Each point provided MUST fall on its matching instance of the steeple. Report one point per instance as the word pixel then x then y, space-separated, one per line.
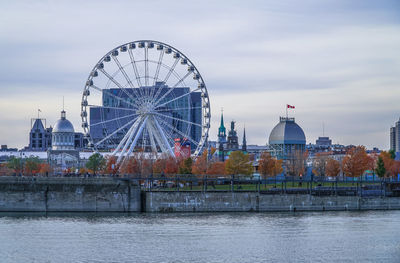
pixel 222 130
pixel 244 144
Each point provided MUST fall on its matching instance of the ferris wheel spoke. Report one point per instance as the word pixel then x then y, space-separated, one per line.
pixel 177 98
pixel 176 109
pixel 115 132
pixel 178 131
pixel 171 70
pixel 135 70
pixel 163 137
pixel 151 136
pixel 146 65
pixel 138 133
pixel 126 141
pixel 172 140
pixel 160 59
pixel 126 76
pixel 170 117
pixel 114 96
pixel 117 84
pixel 172 88
pixel 107 121
pixel 109 107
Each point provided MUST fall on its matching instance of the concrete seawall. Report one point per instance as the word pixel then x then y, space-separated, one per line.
pixel 68 195
pixel 19 194
pixel 255 202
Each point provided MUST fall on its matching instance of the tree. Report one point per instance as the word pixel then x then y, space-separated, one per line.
pixel 355 163
pixel 45 169
pixel 130 166
pixel 320 162
pixel 32 165
pixel 111 165
pixel 332 168
pixel 200 165
pixel 296 162
pixel 216 168
pixel 238 163
pixel 389 163
pixel 278 168
pixel 380 167
pixel 96 163
pixel 15 164
pixel 392 154
pixel 266 165
pixel 171 165
pixel 159 165
pixel 185 166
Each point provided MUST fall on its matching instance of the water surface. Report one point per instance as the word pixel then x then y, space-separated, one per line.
pixel 372 236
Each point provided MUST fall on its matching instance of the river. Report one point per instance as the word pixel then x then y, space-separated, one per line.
pixel 372 236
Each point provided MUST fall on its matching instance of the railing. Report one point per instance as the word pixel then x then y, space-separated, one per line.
pixel 287 185
pixel 272 185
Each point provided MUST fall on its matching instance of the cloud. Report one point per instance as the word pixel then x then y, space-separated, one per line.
pixel 338 61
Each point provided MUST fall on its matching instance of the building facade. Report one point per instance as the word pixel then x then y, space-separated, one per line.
pixel 39 136
pixel 395 137
pixel 63 156
pixel 286 138
pixel 112 115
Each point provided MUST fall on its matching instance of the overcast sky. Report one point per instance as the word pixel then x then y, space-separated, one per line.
pixel 337 61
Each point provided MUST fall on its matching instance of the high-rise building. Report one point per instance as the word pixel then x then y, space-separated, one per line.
pixel 106 119
pixel 395 137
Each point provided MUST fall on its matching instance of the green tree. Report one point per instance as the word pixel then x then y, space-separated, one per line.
pixel 15 164
pixel 392 154
pixel 380 167
pixel 239 163
pixel 96 163
pixel 186 166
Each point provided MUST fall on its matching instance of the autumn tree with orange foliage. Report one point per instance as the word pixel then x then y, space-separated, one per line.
pixel 45 169
pixel 130 166
pixel 332 168
pixel 111 165
pixel 266 165
pixel 356 162
pixel 200 166
pixel 392 166
pixel 171 166
pixel 216 168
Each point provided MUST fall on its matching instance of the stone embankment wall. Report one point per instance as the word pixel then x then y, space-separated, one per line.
pixel 68 195
pixel 252 201
pixel 117 195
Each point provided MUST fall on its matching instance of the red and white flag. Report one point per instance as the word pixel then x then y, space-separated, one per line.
pixel 290 106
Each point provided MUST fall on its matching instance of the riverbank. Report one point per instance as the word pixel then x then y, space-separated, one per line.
pixel 41 194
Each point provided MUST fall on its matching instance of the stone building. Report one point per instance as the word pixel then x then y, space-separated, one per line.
pixel 63 154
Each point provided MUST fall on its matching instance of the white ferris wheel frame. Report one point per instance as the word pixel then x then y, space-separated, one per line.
pixel 145 104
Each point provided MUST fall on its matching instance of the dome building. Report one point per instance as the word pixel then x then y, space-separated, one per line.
pixel 286 137
pixel 63 156
pixel 63 134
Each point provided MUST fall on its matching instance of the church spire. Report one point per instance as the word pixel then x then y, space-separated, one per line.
pixel 221 129
pixel 244 144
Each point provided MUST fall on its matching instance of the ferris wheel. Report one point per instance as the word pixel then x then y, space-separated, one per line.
pixel 145 96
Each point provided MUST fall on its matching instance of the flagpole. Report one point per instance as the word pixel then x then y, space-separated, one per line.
pixel 286 111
